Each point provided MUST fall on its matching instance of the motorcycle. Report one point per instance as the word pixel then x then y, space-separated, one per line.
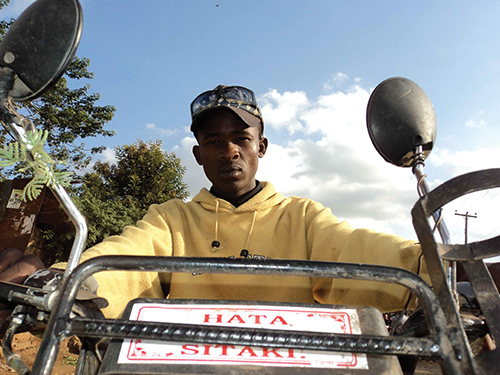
pixel 227 337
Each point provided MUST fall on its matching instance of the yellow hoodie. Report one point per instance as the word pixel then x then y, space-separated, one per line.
pixel 269 225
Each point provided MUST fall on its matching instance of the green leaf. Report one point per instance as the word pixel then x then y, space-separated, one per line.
pixel 39 164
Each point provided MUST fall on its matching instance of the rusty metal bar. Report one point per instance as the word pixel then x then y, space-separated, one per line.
pixel 206 334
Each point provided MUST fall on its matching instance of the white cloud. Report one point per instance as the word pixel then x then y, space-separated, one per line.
pixel 471 123
pixel 338 111
pixel 161 131
pixel 336 80
pixel 476 121
pixel 108 155
pixel 340 77
pixel 281 111
pixel 461 162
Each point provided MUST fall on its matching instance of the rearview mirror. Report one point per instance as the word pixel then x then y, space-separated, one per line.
pixel 400 117
pixel 40 45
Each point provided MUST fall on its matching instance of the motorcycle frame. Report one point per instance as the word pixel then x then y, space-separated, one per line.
pixel 440 344
pixel 447 340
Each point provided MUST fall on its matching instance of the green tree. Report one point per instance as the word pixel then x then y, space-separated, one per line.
pixel 115 195
pixel 4 24
pixel 69 114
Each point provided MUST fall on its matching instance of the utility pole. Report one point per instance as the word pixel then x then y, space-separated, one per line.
pixel 466 217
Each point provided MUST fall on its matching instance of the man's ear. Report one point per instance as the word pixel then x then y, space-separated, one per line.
pixel 196 153
pixel 263 143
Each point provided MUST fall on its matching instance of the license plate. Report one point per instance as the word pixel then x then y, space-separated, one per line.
pixel 247 316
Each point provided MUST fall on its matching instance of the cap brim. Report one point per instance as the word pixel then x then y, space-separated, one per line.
pixel 247 118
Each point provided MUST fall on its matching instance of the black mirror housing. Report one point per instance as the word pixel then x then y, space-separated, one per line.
pixel 400 117
pixel 40 45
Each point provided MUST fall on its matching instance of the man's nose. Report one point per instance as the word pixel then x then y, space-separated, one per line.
pixel 230 151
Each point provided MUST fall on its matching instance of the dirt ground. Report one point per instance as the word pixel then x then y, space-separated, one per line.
pixel 26 345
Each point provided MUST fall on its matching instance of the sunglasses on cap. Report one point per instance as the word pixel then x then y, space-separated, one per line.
pixel 226 96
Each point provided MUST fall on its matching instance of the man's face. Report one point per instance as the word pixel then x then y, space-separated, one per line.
pixel 229 151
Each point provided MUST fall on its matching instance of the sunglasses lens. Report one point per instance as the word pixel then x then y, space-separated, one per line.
pixel 202 101
pixel 239 93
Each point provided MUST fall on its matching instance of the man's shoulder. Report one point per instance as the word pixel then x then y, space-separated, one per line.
pixel 270 190
pixel 171 206
pixel 296 202
pixel 306 203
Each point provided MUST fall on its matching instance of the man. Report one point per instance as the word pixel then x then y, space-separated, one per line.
pixel 241 216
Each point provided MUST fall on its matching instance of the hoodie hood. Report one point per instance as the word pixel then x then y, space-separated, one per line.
pixel 266 198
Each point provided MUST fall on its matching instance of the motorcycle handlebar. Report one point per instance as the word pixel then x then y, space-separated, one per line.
pixel 16 294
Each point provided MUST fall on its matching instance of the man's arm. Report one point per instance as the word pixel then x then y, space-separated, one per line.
pixel 332 240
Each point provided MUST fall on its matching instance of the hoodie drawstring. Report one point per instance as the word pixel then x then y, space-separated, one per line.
pixel 250 232
pixel 216 245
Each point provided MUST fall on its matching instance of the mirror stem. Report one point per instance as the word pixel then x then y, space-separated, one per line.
pixel 423 189
pixel 17 127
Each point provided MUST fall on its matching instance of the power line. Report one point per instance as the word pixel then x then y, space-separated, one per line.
pixel 487 235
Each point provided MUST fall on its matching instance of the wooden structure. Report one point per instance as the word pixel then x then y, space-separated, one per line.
pixel 20 221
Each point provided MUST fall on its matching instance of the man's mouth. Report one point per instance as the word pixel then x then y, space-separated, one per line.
pixel 230 170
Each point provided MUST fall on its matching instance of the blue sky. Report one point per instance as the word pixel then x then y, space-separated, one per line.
pixel 312 65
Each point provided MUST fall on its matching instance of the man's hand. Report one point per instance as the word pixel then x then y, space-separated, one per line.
pixel 15 267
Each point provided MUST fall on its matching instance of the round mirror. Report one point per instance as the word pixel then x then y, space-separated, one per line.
pixel 400 117
pixel 40 45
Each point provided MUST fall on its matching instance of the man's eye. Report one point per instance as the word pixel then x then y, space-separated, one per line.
pixel 243 139
pixel 212 141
